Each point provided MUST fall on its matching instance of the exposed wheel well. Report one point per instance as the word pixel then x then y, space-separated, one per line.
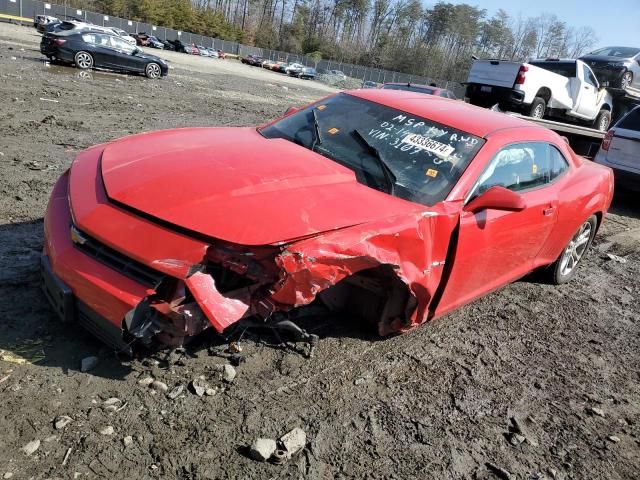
pixel 545 94
pixel 606 106
pixel 376 296
pixel 599 217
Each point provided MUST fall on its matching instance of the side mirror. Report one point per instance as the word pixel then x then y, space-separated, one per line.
pixel 496 198
pixel 291 110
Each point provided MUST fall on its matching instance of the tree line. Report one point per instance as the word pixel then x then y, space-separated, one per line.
pixel 436 41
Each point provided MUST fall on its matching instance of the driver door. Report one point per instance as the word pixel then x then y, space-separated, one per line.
pixel 588 97
pixel 122 56
pixel 496 247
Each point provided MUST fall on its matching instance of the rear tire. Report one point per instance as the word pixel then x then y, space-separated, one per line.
pixel 602 121
pixel 538 108
pixel 565 267
pixel 83 60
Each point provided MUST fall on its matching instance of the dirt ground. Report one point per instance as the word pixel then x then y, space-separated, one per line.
pixel 441 402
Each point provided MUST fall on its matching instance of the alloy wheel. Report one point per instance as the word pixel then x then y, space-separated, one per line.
pixel 538 112
pixel 626 80
pixel 84 60
pixel 153 70
pixel 576 248
pixel 604 123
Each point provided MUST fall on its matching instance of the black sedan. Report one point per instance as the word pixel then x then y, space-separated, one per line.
pixel 620 66
pixel 95 49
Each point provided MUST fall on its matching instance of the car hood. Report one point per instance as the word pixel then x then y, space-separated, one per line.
pixel 603 58
pixel 235 185
pixel 147 56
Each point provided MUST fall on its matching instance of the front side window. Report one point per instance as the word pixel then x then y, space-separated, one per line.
pixel 390 150
pixel 120 44
pixel 103 40
pixel 588 76
pixel 523 166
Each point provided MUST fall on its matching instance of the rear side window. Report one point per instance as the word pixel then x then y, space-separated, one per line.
pixel 89 38
pixel 588 76
pixel 557 163
pixel 566 69
pixel 631 121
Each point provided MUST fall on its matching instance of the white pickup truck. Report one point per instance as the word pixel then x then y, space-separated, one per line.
pixel 566 89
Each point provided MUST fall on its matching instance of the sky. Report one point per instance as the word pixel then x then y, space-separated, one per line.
pixel 616 22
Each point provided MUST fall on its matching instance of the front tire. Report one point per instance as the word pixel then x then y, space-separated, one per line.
pixel 538 108
pixel 564 268
pixel 83 60
pixel 153 70
pixel 602 121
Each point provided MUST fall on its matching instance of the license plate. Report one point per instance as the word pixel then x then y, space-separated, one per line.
pixel 484 88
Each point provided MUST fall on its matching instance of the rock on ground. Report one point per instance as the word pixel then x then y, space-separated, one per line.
pixel 88 363
pixel 294 441
pixel 262 449
pixel 31 447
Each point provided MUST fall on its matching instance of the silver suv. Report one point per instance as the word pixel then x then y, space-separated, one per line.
pixel 620 150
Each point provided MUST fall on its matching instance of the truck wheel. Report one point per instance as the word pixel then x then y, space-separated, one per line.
pixel 602 121
pixel 538 107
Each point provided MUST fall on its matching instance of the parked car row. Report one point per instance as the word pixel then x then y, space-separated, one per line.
pixel 48 24
pixel 290 68
pixel 88 47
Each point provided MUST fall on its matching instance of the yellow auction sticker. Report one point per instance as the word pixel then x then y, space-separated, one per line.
pixel 432 173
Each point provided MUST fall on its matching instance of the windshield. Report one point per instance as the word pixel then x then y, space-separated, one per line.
pixel 620 52
pixel 390 150
pixel 408 87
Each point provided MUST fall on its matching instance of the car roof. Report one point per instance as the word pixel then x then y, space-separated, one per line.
pixel 460 115
pixel 417 85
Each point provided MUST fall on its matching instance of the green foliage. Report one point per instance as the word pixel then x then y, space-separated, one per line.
pixel 401 35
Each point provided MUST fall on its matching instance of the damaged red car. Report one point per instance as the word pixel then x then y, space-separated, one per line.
pixel 391 206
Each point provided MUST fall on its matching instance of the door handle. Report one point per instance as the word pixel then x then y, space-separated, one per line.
pixel 547 212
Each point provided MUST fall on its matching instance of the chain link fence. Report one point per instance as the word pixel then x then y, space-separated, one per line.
pixel 356 74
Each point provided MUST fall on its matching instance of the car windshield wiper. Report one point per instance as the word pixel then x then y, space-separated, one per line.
pixel 317 137
pixel 389 176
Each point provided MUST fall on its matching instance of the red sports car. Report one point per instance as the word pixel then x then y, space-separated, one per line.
pixel 388 205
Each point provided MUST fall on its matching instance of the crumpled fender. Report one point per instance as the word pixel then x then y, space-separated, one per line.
pixel 415 246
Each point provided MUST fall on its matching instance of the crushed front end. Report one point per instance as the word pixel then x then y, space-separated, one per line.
pixel 126 276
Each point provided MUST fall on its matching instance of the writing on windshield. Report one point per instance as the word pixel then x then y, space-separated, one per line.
pixel 390 150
